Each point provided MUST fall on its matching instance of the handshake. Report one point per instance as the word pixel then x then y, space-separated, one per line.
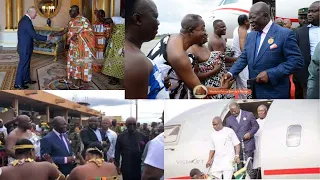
pixel 51 36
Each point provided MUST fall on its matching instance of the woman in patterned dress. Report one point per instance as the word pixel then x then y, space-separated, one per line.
pixel 210 67
pixel 114 60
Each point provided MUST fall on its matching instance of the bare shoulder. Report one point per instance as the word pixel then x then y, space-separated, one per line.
pixel 76 172
pixel 134 59
pixel 175 51
pixel 13 134
pixel 112 168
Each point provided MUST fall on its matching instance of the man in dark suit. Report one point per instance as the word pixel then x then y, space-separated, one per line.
pixel 307 47
pixel 93 134
pixel 271 53
pixel 26 34
pixel 245 126
pixel 130 146
pixel 57 145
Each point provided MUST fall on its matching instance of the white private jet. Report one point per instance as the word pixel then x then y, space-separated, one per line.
pixel 229 11
pixel 290 140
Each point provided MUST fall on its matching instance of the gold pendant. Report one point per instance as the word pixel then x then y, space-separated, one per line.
pixel 270 41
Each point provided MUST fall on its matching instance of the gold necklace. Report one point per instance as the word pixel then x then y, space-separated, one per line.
pixel 21 161
pixel 97 161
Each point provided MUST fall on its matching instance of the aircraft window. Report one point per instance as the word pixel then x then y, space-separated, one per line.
pixel 171 133
pixel 230 2
pixel 294 135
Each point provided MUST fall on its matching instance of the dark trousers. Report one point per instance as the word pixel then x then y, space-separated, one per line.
pixel 300 90
pixel 126 176
pixel 23 72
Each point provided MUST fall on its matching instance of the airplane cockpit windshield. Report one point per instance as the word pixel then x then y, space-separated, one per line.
pixel 171 133
pixel 225 2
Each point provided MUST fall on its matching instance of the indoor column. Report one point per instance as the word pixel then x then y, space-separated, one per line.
pixel 19 12
pixel 9 16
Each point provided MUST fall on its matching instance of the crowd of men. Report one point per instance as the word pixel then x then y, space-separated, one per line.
pixel 265 56
pixel 100 149
pixel 235 142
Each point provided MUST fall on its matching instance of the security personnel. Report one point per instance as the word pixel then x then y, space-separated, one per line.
pixel 302 17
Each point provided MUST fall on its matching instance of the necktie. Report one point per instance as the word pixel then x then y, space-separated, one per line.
pixel 61 137
pixel 258 42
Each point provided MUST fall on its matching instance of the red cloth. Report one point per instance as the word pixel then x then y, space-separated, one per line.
pixel 292 89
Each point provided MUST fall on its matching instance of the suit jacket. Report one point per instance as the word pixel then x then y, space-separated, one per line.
pixel 26 34
pixel 313 80
pixel 51 144
pixel 279 62
pixel 302 35
pixel 248 124
pixel 88 137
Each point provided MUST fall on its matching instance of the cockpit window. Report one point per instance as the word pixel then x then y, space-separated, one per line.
pixel 229 2
pixel 171 133
pixel 221 2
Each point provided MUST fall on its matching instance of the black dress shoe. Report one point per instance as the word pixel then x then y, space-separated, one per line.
pixel 21 87
pixel 30 82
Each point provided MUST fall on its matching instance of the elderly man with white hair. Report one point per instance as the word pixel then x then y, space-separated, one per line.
pixel 262 113
pixel 26 34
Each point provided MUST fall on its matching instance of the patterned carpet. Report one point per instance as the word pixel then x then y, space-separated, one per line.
pixel 44 71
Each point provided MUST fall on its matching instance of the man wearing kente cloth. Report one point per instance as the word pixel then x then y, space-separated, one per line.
pixel 25 167
pixel 81 42
pixel 95 167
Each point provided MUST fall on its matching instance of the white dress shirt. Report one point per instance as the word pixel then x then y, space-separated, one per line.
pixel 257 139
pixel 28 16
pixel 65 143
pixel 263 36
pixel 314 37
pixel 239 117
pixel 155 154
pixel 264 33
pixel 4 130
pixel 112 136
pixel 98 134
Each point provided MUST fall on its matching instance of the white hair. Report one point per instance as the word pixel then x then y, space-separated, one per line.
pixel 31 9
pixel 264 107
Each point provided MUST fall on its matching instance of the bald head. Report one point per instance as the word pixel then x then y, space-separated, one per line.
pixel 138 7
pixel 74 11
pixel 24 122
pixel 262 111
pixel 106 123
pixel 32 12
pixel 131 124
pixel 234 109
pixel 279 21
pixel 190 22
pixel 261 7
pixel 259 16
pixel 131 120
pixel 217 123
pixel 59 124
pixel 93 122
pixel 313 13
pixel 287 23
pixel 141 21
